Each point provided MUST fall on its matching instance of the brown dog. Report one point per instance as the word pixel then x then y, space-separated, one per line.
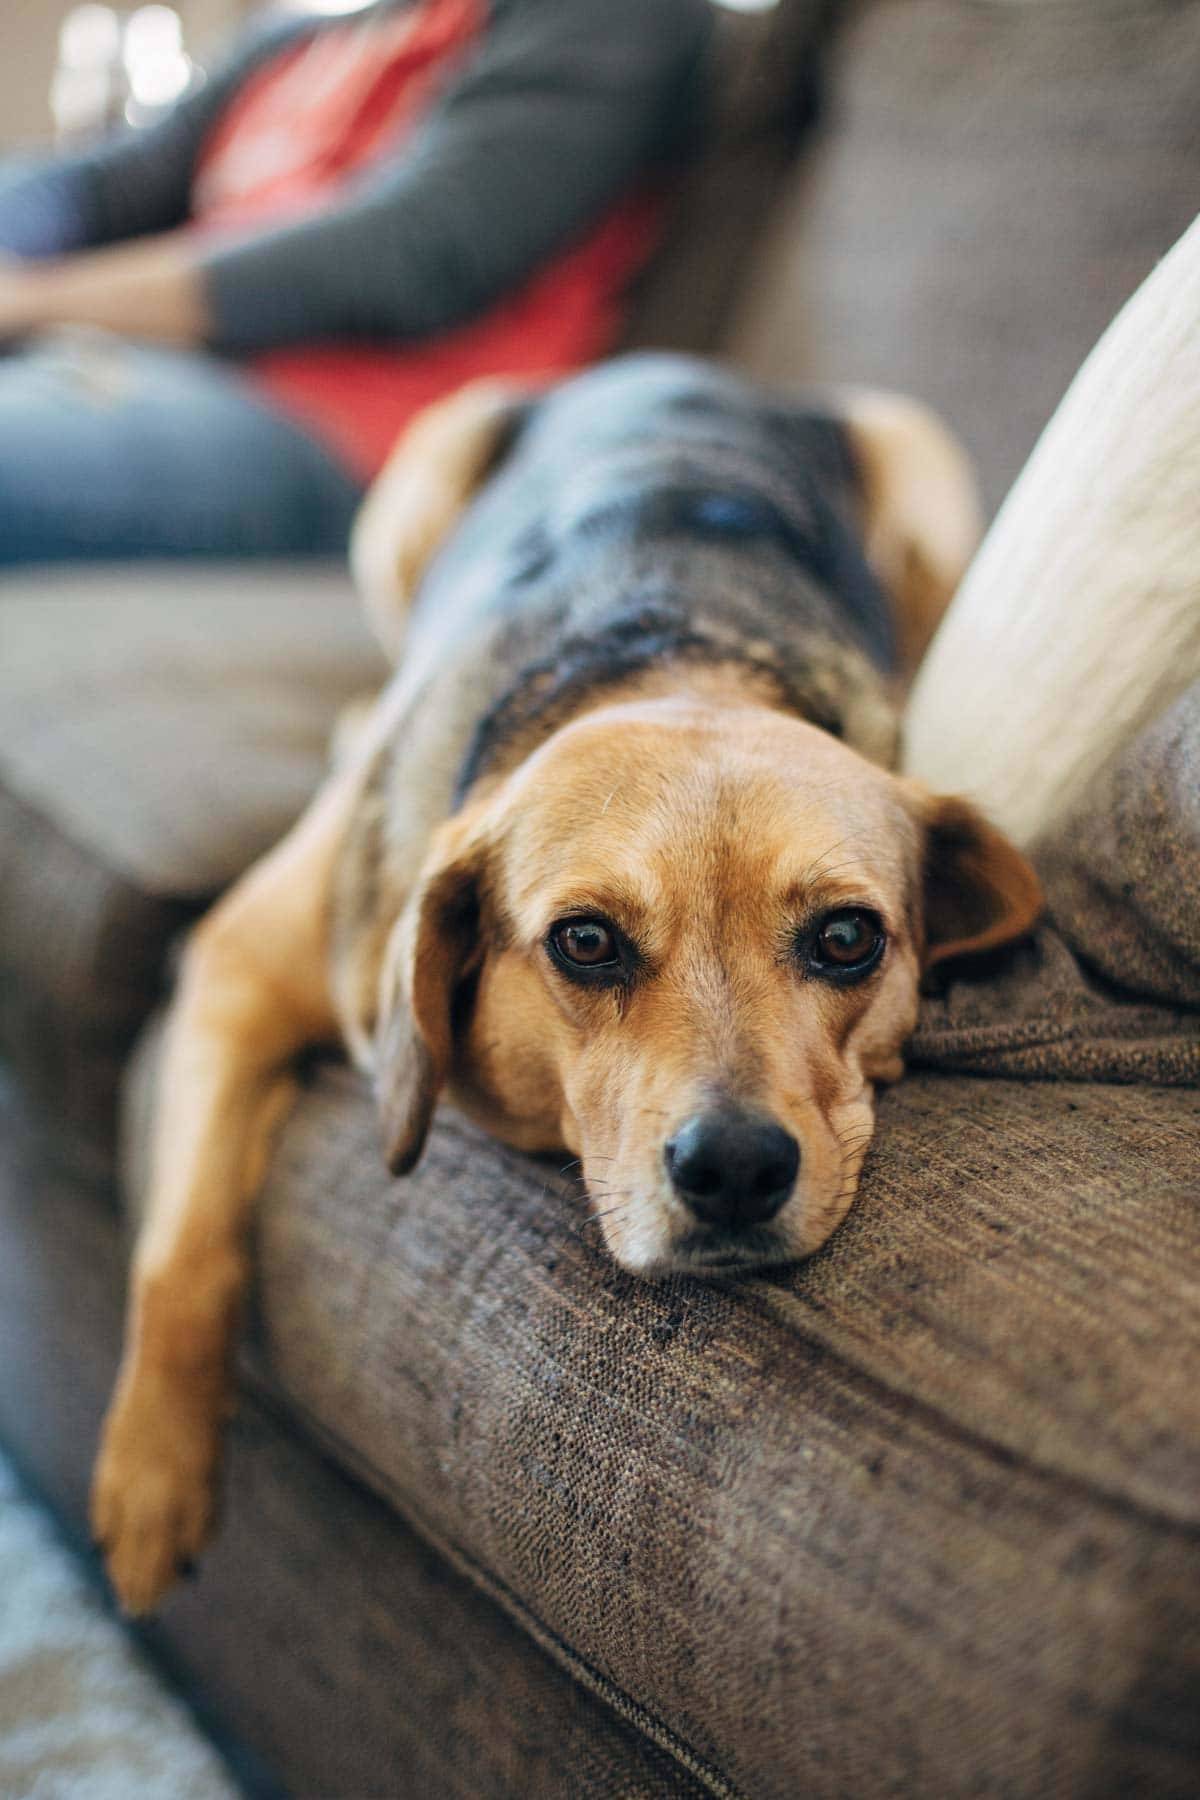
pixel 618 862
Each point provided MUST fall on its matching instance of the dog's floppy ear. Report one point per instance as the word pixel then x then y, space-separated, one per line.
pixel 433 947
pixel 978 890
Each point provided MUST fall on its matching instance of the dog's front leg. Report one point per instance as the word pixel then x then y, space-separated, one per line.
pixel 254 990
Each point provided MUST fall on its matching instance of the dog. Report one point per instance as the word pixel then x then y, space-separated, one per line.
pixel 619 861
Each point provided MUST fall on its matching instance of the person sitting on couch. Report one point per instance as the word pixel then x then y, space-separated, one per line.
pixel 352 216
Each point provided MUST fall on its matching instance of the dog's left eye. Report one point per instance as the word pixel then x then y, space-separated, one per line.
pixel 585 943
pixel 847 942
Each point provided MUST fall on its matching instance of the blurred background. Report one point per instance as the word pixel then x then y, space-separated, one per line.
pixel 68 68
pixel 992 180
pixel 72 60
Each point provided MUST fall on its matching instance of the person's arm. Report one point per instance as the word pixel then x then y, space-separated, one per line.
pixel 564 105
pixel 133 182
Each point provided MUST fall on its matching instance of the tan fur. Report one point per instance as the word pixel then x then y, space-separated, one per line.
pixel 921 515
pixel 414 503
pixel 684 808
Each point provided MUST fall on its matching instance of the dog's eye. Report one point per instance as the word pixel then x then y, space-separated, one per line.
pixel 848 942
pixel 585 943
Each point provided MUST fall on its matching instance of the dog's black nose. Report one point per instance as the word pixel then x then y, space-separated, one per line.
pixel 732 1167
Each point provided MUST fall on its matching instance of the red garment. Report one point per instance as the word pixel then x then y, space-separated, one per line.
pixel 318 114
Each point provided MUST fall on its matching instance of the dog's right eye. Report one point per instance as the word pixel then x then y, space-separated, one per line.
pixel 585 943
pixel 846 944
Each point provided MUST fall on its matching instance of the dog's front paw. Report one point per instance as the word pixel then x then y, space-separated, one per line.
pixel 154 1488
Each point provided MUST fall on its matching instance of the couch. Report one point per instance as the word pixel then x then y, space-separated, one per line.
pixel 921 1517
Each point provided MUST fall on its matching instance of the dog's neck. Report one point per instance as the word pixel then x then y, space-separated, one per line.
pixel 648 656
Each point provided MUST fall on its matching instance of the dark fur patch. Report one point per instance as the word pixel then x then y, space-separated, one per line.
pixel 548 692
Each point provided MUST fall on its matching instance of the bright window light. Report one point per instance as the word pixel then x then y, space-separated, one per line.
pixel 326 6
pixel 89 37
pixel 156 66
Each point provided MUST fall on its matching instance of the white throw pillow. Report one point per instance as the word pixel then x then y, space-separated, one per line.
pixel 1079 619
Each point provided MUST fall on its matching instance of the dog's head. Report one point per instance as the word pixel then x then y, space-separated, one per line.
pixel 684 942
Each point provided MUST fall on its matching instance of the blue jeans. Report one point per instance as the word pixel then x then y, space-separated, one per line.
pixel 115 450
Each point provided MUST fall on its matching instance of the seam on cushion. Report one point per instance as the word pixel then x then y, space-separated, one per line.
pixel 630 1711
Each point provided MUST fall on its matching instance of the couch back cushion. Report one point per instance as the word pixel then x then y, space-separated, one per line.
pixel 159 729
pixel 994 182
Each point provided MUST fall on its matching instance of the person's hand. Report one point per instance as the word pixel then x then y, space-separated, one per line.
pixel 148 288
pixel 18 298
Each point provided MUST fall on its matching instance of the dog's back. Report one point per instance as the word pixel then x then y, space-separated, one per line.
pixel 656 507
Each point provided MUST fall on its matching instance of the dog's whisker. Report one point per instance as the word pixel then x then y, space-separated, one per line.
pixel 607 1214
pixel 578 1184
pixel 576 1162
pixel 864 1128
pixel 578 1190
pixel 621 1194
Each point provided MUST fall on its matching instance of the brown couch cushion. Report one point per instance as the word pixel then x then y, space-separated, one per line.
pixel 1000 178
pixel 1122 875
pixel 834 1531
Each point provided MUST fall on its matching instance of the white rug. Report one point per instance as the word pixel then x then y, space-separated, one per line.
pixel 82 1716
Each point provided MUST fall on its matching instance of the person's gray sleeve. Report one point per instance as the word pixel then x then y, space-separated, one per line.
pixel 564 104
pixel 133 182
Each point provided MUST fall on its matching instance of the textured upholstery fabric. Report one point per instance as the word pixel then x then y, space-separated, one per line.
pixel 998 179
pixel 323 1632
pixel 1122 873
pixel 835 1530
